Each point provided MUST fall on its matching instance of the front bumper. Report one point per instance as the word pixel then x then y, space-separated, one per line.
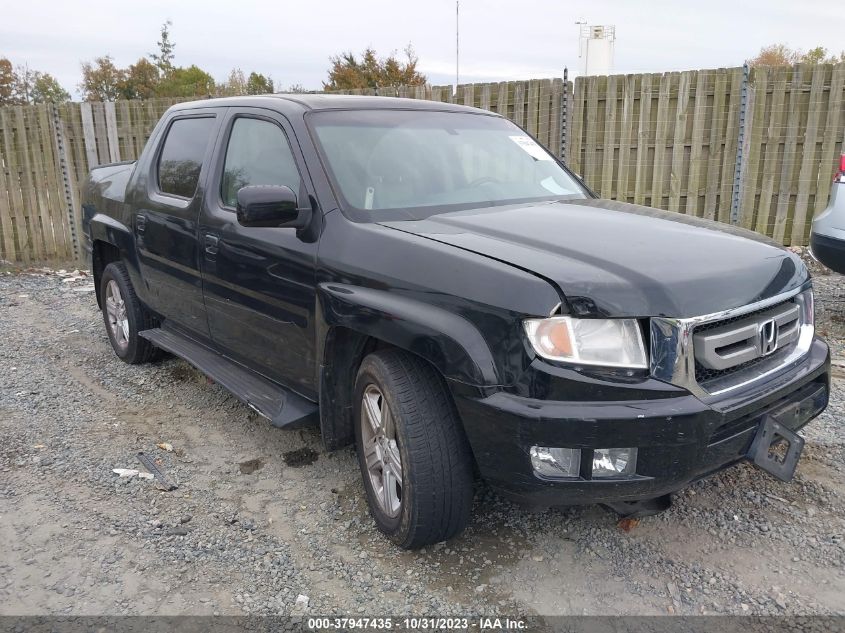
pixel 679 438
pixel 830 251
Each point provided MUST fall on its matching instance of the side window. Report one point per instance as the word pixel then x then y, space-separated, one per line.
pixel 258 154
pixel 181 157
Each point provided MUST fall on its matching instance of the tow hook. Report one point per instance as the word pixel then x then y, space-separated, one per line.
pixel 638 509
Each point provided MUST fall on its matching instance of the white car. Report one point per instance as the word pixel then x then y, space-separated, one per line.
pixel 827 238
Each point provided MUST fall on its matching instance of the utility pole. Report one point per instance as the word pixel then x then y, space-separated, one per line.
pixel 457 42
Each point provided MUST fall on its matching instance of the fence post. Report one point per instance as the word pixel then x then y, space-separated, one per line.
pixel 564 103
pixel 736 192
pixel 61 148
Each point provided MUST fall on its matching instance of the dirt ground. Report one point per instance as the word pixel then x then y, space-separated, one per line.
pixel 266 522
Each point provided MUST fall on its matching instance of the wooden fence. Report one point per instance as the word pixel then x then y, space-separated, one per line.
pixel 671 141
pixel 667 140
pixel 45 154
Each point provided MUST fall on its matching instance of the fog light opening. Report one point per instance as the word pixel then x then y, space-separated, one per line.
pixel 555 463
pixel 614 462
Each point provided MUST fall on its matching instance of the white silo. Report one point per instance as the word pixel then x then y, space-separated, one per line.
pixel 596 49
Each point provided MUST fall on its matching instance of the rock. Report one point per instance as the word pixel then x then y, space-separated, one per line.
pixel 300 605
pixel 176 531
pixel 250 466
pixel 185 519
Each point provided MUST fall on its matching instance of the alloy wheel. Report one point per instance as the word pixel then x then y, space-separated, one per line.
pixel 117 318
pixel 381 451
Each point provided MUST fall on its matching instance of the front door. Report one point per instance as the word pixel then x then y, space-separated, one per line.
pixel 166 221
pixel 259 283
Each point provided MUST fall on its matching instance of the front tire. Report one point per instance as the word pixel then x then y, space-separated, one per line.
pixel 125 317
pixel 414 457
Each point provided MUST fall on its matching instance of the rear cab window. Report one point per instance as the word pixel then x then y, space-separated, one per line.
pixel 181 156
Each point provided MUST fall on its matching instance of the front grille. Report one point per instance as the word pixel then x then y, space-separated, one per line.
pixel 730 345
pixel 711 356
pixel 704 374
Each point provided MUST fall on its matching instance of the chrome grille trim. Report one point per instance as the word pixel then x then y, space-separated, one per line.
pixel 727 346
pixel 673 358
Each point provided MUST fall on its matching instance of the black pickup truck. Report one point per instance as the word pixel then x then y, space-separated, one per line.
pixel 425 281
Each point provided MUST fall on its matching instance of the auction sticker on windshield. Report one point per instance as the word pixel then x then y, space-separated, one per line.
pixel 531 146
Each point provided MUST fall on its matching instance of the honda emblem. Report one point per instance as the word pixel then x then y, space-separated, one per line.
pixel 768 337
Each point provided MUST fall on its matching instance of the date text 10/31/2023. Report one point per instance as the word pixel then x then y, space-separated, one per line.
pixel 423 623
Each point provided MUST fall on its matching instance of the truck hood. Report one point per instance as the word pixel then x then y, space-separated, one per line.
pixel 615 259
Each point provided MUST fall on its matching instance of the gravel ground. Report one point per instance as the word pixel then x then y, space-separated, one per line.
pixel 265 522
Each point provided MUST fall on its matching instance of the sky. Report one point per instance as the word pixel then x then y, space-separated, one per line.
pixel 499 40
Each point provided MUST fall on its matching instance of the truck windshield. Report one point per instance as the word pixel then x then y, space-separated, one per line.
pixel 423 162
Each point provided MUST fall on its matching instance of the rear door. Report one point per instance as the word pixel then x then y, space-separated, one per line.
pixel 259 283
pixel 166 219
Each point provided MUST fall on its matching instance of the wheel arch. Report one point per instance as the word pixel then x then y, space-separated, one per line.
pixel 112 241
pixel 359 320
pixel 102 254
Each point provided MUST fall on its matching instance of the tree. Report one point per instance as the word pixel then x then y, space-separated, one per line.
pixel 24 80
pixel 348 73
pixel 783 55
pixel 238 84
pixel 258 84
pixel 8 83
pixel 47 89
pixel 101 80
pixel 140 80
pixel 296 89
pixel 164 58
pixel 186 82
pixel 234 85
pixel 21 86
pixel 818 55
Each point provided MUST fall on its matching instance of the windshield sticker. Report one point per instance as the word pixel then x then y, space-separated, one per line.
pixel 550 184
pixel 531 147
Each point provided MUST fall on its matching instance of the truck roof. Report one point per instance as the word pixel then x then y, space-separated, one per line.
pixel 328 102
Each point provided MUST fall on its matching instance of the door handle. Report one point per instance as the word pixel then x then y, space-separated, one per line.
pixel 140 222
pixel 211 242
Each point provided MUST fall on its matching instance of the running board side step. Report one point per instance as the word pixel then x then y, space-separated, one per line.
pixel 284 408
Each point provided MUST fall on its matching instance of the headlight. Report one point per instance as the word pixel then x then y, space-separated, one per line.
pixel 606 342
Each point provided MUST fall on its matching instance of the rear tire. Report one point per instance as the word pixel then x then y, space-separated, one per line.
pixel 125 317
pixel 415 460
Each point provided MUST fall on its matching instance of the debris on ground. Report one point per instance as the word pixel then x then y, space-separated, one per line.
pixel 176 531
pixel 162 482
pixel 300 457
pixel 131 472
pixel 627 524
pixel 250 466
pixel 300 605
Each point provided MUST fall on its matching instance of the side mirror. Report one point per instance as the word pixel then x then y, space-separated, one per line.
pixel 271 206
